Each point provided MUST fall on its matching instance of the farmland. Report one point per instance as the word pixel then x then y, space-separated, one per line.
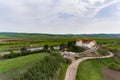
pixel 14 44
pixel 15 65
pixel 114 47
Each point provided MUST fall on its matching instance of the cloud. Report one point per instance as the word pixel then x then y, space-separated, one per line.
pixel 90 8
pixel 107 26
pixel 47 15
pixel 117 13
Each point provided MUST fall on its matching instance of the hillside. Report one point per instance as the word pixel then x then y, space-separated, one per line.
pixel 40 35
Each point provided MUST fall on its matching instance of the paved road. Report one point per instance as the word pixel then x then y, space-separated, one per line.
pixel 72 69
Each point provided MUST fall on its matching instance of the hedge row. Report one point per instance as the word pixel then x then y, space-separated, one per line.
pixel 13 55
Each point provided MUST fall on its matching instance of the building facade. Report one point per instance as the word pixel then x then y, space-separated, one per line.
pixel 87 43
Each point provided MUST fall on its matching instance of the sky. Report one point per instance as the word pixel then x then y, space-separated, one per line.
pixel 60 16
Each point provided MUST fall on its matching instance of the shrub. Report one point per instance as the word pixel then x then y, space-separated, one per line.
pixel 47 69
pixel 13 55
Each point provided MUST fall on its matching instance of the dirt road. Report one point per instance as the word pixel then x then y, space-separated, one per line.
pixel 72 69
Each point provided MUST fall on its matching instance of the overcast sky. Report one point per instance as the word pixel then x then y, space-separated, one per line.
pixel 60 16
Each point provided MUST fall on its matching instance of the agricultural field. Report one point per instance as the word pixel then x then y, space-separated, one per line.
pixel 21 64
pixel 113 47
pixel 15 44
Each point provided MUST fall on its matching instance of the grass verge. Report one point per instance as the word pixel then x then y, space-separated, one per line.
pixel 63 72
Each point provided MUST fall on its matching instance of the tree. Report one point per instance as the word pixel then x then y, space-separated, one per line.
pixel 68 44
pixel 62 46
pixel 71 44
pixel 46 47
pixel 52 48
pixel 24 50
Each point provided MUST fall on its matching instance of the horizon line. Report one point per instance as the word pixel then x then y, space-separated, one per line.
pixel 59 33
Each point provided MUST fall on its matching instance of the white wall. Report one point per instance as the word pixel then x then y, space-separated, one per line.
pixel 78 43
pixel 89 45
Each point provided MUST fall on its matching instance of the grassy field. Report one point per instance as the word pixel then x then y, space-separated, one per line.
pixel 14 44
pixel 114 47
pixel 91 69
pixel 6 65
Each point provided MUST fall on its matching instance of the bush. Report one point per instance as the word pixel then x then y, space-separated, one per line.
pixel 103 52
pixel 76 49
pixel 13 55
pixel 114 66
pixel 47 69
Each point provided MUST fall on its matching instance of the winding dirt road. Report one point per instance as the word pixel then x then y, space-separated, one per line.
pixel 72 69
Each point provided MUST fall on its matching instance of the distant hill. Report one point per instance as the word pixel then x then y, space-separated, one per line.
pixel 39 35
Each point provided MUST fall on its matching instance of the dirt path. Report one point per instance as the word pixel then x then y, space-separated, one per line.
pixel 72 69
pixel 110 74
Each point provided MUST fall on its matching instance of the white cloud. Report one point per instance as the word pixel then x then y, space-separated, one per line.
pixel 117 13
pixel 90 8
pixel 102 27
pixel 43 15
pixel 95 1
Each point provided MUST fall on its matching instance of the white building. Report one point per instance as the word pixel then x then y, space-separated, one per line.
pixel 85 43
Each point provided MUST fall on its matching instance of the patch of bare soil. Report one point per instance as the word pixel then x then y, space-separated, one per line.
pixel 110 74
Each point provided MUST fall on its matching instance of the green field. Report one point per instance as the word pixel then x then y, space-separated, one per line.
pixel 13 44
pixel 114 47
pixel 91 69
pixel 6 65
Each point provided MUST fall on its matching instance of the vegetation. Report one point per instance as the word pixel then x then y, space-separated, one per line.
pixel 47 69
pixel 92 68
pixel 70 46
pixel 63 71
pixel 53 63
pixel 24 52
pixel 36 35
pixel 117 47
pixel 9 64
pixel 103 52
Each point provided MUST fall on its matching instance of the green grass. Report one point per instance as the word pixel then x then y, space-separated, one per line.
pixel 91 69
pixel 18 44
pixel 114 47
pixel 88 71
pixel 63 72
pixel 103 52
pixel 10 64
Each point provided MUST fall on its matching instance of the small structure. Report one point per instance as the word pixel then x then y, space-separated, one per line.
pixel 85 42
pixel 68 54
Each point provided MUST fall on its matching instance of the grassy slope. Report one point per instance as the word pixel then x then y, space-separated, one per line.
pixel 63 72
pixel 9 64
pixel 114 47
pixel 91 69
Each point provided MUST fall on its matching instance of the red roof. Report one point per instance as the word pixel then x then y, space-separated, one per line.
pixel 86 40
